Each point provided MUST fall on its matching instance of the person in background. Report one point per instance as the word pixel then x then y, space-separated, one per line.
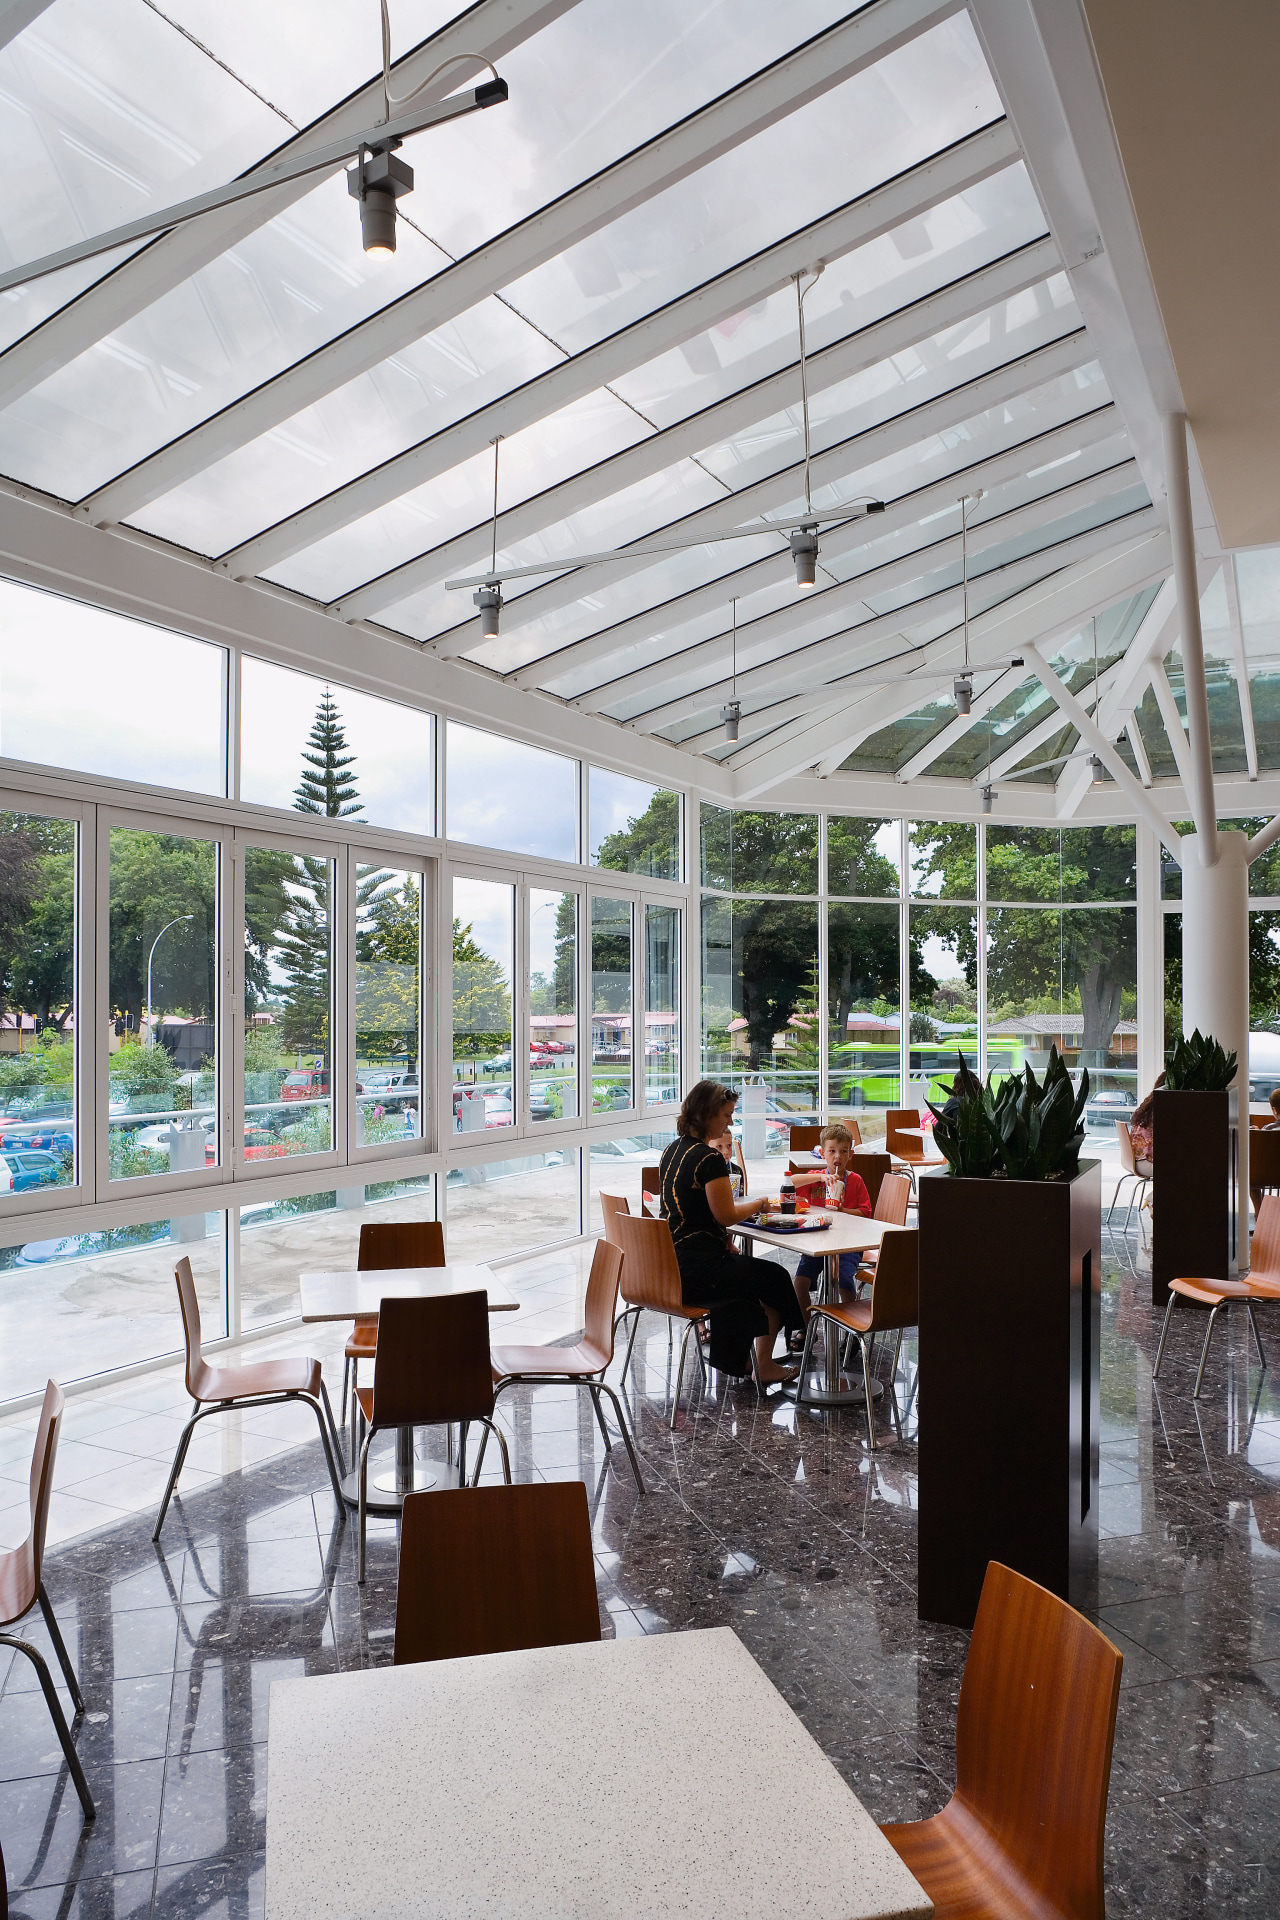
pixel 844 1190
pixel 732 1150
pixel 748 1300
pixel 1272 1126
pixel 1140 1126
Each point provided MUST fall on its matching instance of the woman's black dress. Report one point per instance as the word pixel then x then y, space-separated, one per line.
pixel 736 1288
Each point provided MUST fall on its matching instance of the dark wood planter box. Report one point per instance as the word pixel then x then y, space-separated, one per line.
pixel 1191 1163
pixel 1010 1325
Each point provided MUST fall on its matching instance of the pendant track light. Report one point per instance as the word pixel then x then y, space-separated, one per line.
pixel 962 691
pixel 731 712
pixel 377 181
pixel 489 598
pixel 988 795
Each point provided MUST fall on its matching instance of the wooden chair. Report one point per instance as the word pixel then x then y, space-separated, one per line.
pixel 1264 1166
pixel 432 1367
pixel 905 1150
pixel 22 1587
pixel 495 1569
pixel 1262 1282
pixel 611 1205
pixel 580 1366
pixel 891 1205
pixel 263 1383
pixel 1131 1169
pixel 1022 1833
pixel 803 1139
pixel 650 1182
pixel 651 1284
pixel 384 1244
pixel 874 1168
pixel 894 1303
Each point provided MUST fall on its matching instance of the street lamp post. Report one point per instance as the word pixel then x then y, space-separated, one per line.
pixel 151 1038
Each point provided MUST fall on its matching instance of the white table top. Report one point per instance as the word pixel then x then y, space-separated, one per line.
pixel 566 1782
pixel 848 1233
pixel 341 1296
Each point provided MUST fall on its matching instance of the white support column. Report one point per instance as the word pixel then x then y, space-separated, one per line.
pixel 904 963
pixel 1150 960
pixel 980 915
pixel 1215 972
pixel 824 981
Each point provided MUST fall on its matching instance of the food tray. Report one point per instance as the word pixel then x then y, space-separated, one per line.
pixel 794 1223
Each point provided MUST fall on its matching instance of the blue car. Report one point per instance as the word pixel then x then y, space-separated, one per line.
pixel 29 1170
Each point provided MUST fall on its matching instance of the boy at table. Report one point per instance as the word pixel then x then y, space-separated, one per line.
pixel 845 1191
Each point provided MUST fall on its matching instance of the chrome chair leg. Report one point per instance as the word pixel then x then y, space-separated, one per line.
pixel 1204 1351
pixel 184 1441
pixel 635 1328
pixel 490 1427
pixel 599 1388
pixel 809 1332
pixel 346 1378
pixel 866 1387
pixel 60 1726
pixel 1262 1358
pixel 1164 1335
pixel 684 1348
pixel 595 1407
pixel 59 1647
pixel 362 1508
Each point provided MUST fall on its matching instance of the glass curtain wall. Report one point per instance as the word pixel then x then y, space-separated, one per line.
pixel 38 1011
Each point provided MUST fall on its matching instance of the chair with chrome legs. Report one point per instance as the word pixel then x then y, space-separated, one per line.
pixel 651 1284
pixel 263 1383
pixel 384 1245
pixel 432 1367
pixel 580 1366
pixel 1262 1282
pixel 22 1587
pixel 1022 1834
pixel 894 1304
pixel 494 1570
pixel 1139 1171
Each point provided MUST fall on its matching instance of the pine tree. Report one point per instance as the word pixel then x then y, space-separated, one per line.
pixel 327 786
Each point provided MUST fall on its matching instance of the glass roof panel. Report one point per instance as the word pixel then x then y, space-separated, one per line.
pixel 891 272
pixel 1258 578
pixel 108 112
pixel 291 51
pixel 921 97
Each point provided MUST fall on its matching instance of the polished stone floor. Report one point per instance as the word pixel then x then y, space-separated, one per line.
pixel 784 1528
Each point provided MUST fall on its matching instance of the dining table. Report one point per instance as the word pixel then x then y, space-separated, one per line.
pixel 347 1294
pixel 842 1233
pixel 572 1781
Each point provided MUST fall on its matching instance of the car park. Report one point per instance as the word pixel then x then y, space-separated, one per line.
pixel 1105 1108
pixel 29 1170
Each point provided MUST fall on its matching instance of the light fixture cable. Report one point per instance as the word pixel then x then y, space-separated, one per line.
pixel 731 713
pixel 488 598
pixel 390 99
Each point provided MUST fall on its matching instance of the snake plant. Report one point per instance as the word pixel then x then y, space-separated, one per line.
pixel 1024 1129
pixel 1199 1065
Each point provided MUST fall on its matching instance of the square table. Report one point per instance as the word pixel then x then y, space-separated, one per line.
pixel 577 1781
pixel 847 1233
pixel 343 1296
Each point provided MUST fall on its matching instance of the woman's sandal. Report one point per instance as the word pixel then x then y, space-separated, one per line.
pixel 795 1341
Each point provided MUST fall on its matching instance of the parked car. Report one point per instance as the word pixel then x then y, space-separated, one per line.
pixel 614 1096
pixel 1104 1109
pixel 28 1170
pixel 307 1083
pixel 541 1105
pixel 26 1136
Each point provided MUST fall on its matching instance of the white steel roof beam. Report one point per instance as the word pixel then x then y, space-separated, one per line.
pixel 785 621
pixel 1241 662
pixel 767 97
pixel 1045 611
pixel 832 464
pixel 822 655
pixel 854 225
pixel 1175 732
pixel 902 513
pixel 906 511
pixel 1139 747
pixel 1090 734
pixel 493 28
pixel 955 730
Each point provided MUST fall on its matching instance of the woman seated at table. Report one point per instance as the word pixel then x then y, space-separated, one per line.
pixel 1141 1122
pixel 749 1300
pixel 1257 1194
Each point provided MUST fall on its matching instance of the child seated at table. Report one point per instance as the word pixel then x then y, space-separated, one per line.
pixel 728 1146
pixel 844 1191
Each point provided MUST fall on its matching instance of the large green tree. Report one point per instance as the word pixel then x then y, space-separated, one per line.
pixel 650 843
pixel 328 785
pixel 156 878
pixel 481 997
pixel 37 918
pixel 387 973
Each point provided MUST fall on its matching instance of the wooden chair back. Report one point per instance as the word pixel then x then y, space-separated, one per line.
pixel 907 1147
pixel 432 1364
pixel 22 1583
pixel 650 1271
pixel 1125 1139
pixel 874 1169
pixel 804 1139
pixel 895 1297
pixel 891 1201
pixel 602 1298
pixel 1264 1255
pixel 400 1243
pixel 494 1569
pixel 188 1300
pixel 650 1182
pixel 1264 1159
pixel 1261 1119
pixel 611 1205
pixel 1034 1733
